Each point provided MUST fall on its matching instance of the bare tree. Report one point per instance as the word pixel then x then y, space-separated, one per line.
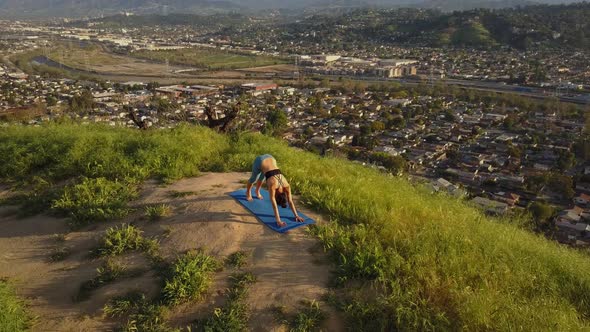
pixel 141 124
pixel 222 124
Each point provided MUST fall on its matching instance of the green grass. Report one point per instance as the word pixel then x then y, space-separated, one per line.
pixel 181 194
pixel 158 211
pixel 210 58
pixel 119 240
pixel 13 316
pixel 309 318
pixel 406 259
pixel 94 200
pixel 142 314
pixel 234 315
pixel 189 277
pixel 107 273
pixel 238 259
pixel 60 254
pixel 82 57
pixel 472 34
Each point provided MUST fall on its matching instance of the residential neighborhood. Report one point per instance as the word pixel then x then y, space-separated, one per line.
pixel 500 157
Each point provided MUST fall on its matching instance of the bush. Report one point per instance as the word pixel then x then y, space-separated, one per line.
pixel 189 277
pixel 95 200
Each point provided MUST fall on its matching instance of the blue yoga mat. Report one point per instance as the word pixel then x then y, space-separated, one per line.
pixel 262 209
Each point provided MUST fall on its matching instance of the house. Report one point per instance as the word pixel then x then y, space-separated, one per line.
pixel 389 150
pixel 573 231
pixel 490 206
pixel 255 88
pixel 582 200
pixel 573 215
pixel 442 185
pixel 509 198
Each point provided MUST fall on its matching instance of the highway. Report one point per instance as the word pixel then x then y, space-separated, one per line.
pixel 537 93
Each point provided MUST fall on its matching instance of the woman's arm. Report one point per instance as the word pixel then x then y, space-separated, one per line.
pixel 292 205
pixel 271 191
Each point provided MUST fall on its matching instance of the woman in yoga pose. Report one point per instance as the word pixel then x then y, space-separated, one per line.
pixel 265 167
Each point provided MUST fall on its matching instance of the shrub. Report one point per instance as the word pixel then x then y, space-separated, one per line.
pixel 189 277
pixel 95 200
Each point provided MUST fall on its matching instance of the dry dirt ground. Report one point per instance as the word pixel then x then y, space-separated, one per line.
pixel 289 267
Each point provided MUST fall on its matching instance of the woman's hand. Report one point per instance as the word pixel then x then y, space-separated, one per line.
pixel 299 219
pixel 281 223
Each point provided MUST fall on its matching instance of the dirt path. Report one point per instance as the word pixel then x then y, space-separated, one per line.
pixel 289 268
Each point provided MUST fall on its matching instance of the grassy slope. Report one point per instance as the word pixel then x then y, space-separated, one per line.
pixel 437 263
pixel 12 313
pixel 210 58
pixel 472 34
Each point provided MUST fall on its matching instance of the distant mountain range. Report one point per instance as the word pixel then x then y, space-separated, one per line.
pixel 94 8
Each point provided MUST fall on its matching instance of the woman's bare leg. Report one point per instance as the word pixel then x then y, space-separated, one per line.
pixel 258 185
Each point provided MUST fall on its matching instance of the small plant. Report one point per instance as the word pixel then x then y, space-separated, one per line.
pixel 156 212
pixel 181 194
pixel 167 231
pixel 13 315
pixel 60 238
pixel 108 272
pixel 35 201
pixel 142 315
pixel 189 277
pixel 118 240
pixel 152 248
pixel 122 305
pixel 94 200
pixel 60 254
pixel 238 259
pixel 309 319
pixel 232 317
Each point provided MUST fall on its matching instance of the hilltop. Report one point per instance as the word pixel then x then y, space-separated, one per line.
pixel 402 257
pixel 288 269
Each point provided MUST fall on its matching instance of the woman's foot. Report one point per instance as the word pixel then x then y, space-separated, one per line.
pixel 259 196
